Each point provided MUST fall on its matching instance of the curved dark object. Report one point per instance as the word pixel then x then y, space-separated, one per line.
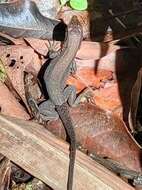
pixel 22 18
pixel 19 175
pixel 5 41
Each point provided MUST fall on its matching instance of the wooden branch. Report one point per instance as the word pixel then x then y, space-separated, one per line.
pixel 44 156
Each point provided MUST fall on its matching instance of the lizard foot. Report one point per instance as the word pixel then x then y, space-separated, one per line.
pixel 84 96
pixel 70 95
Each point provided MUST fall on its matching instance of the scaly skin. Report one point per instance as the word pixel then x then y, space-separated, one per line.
pixel 55 77
pixel 60 67
pixel 55 80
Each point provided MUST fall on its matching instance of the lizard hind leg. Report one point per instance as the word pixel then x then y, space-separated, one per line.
pixel 70 94
pixel 47 111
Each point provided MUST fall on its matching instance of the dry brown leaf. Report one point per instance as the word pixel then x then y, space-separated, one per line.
pixel 95 50
pixel 87 77
pixel 102 132
pixel 15 41
pixel 48 8
pixel 40 46
pixel 9 105
pixel 88 50
pixel 31 24
pixel 125 65
pixel 105 63
pixel 108 98
pixel 16 59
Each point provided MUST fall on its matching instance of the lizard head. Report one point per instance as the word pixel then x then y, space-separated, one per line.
pixel 75 27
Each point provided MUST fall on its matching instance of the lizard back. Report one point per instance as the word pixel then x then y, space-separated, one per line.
pixel 60 67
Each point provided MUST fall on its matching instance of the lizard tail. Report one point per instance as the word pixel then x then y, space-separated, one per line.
pixel 64 115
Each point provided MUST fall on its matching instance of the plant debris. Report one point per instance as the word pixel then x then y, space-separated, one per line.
pixel 108 122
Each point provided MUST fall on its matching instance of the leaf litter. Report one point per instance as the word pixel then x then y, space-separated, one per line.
pixel 101 125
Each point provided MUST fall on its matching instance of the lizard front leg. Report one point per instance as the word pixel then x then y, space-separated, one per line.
pixel 44 112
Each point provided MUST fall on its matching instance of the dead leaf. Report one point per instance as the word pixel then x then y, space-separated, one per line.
pixel 102 132
pixel 40 46
pixel 108 98
pixel 125 65
pixel 12 40
pixel 48 8
pixel 9 105
pixel 17 59
pixel 23 19
pixel 107 62
pixel 86 77
pixel 95 50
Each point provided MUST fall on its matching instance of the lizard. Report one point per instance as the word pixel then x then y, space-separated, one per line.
pixel 60 95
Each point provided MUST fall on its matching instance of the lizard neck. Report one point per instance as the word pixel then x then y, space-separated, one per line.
pixel 68 52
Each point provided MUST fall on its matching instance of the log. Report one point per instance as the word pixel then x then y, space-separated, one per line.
pixel 46 157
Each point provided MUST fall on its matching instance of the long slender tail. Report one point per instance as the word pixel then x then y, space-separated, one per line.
pixel 64 115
